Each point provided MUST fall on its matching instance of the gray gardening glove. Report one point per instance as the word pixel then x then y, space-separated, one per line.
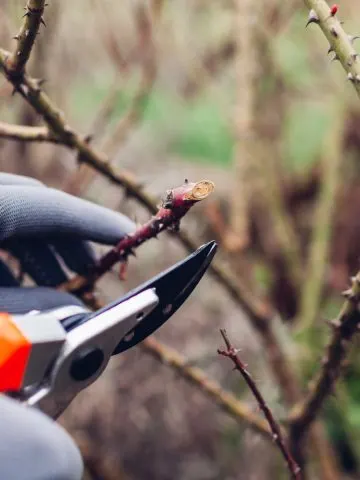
pixel 39 226
pixel 44 227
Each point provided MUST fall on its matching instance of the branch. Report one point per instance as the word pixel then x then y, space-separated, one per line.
pixel 33 18
pixel 312 290
pixel 134 114
pixel 177 203
pixel 226 400
pixel 23 133
pixel 340 42
pixel 231 353
pixel 344 328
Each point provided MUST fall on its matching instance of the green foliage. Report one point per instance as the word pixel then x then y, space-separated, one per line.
pixel 305 129
pixel 198 130
pixel 204 133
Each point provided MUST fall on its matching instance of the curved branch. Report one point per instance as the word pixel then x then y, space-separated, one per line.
pixel 23 133
pixel 231 353
pixel 344 328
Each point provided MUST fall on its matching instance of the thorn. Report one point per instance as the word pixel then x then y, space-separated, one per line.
pixel 334 324
pixel 175 227
pixel 334 33
pixel 88 138
pixel 16 37
pixel 331 49
pixel 352 38
pixel 312 18
pixel 324 360
pixel 131 252
pixel 348 294
pixel 350 77
pixel 123 271
pixel 39 82
pixel 42 21
pixel 335 58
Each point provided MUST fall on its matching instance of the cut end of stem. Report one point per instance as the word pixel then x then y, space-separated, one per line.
pixel 200 191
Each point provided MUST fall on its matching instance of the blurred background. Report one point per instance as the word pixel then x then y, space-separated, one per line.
pixel 240 93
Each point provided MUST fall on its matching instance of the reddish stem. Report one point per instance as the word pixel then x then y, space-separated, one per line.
pixel 232 353
pixel 177 203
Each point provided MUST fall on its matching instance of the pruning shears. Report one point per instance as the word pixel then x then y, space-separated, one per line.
pixel 48 357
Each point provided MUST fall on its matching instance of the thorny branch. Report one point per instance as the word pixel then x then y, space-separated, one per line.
pixel 177 203
pixel 226 400
pixel 232 354
pixel 25 39
pixel 344 328
pixel 340 42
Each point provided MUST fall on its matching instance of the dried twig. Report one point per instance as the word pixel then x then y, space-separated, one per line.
pixel 344 328
pixel 23 133
pixel 33 18
pixel 232 353
pixel 176 204
pixel 226 400
pixel 340 42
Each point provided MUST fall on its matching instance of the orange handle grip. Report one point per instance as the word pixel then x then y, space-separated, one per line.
pixel 14 354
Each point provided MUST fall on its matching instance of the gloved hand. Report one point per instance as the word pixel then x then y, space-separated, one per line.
pixel 43 227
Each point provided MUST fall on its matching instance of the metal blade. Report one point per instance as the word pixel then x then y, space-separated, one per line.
pixel 172 287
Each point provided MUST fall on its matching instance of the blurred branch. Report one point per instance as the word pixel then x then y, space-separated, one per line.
pixel 344 328
pixel 319 249
pixel 145 48
pixel 33 18
pixel 247 76
pixel 231 353
pixel 133 116
pixel 24 133
pixel 226 400
pixel 177 203
pixel 340 42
